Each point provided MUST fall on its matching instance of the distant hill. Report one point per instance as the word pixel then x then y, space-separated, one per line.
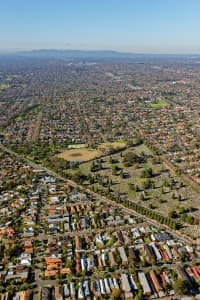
pixel 95 54
pixel 99 56
pixel 78 53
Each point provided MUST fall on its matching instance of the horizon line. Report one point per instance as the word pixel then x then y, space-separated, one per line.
pixel 18 50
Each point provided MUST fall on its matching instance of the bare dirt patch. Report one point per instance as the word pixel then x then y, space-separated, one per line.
pixel 79 154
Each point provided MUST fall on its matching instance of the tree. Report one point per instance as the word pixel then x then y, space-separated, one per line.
pixel 25 286
pixel 189 219
pixel 178 172
pixel 14 250
pixel 183 217
pixel 146 184
pixel 116 294
pixel 79 176
pixel 114 170
pixel 172 214
pixel 142 197
pixel 167 287
pixel 131 158
pixel 131 186
pixel 139 296
pixel 137 188
pixel 147 173
pixel 179 197
pixel 181 287
pixel 173 196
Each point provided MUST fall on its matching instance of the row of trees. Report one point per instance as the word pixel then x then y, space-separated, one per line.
pixel 142 210
pixel 182 213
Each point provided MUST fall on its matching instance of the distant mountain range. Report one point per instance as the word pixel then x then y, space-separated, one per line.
pixel 76 53
pixel 99 55
pixel 95 53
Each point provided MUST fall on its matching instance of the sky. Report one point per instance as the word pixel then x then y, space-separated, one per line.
pixel 138 26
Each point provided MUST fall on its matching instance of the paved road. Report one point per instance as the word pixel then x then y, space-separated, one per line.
pixel 101 273
pixel 43 236
pixel 100 197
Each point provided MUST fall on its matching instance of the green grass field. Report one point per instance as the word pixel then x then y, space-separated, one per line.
pixel 159 192
pixel 80 152
pixel 159 104
pixel 19 118
pixel 4 86
pixel 107 146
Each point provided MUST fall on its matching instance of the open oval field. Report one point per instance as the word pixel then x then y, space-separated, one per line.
pixel 82 154
pixel 107 146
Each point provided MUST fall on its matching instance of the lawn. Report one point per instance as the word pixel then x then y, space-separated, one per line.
pixel 107 146
pixel 3 86
pixel 159 104
pixel 79 152
pixel 161 194
pixel 19 118
pixel 9 78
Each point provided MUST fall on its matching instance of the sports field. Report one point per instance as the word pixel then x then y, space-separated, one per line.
pixel 159 104
pixel 82 154
pixel 79 153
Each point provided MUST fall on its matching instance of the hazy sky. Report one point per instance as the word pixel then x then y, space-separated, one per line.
pixel 154 26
